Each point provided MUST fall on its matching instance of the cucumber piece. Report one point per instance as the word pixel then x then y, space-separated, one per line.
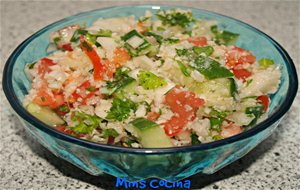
pixel 136 44
pixel 150 134
pixel 127 90
pixel 223 87
pixel 210 68
pixel 44 114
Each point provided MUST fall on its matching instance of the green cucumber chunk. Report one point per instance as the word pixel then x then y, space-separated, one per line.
pixel 150 81
pixel 222 87
pixel 150 134
pixel 210 68
pixel 44 114
pixel 265 63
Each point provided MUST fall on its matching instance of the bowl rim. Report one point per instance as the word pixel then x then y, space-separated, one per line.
pixel 22 112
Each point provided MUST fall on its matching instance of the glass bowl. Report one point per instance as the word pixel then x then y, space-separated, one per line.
pixel 166 163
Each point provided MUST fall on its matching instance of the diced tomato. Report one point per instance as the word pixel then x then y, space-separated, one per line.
pixel 184 104
pixel 110 140
pixel 83 92
pixel 236 56
pixel 110 68
pixel 264 100
pixel 174 125
pixel 241 74
pixel 44 65
pixel 45 98
pixel 121 55
pixel 58 101
pixel 64 129
pixel 230 130
pixel 67 47
pixel 198 41
pixel 152 116
pixel 99 68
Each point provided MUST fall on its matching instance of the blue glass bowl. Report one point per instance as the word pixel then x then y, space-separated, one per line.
pixel 166 163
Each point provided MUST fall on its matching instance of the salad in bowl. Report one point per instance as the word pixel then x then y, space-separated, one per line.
pixel 163 80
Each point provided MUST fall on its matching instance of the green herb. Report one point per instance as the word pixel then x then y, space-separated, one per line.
pixel 121 80
pixel 195 139
pixel 86 123
pixel 91 71
pixel 219 114
pixel 182 52
pixel 233 88
pixel 91 89
pixel 215 123
pixel 255 111
pixel 159 28
pixel 77 34
pixel 147 106
pixel 188 32
pixel 162 62
pixel 173 18
pixel 185 70
pixel 56 40
pixel 64 108
pixel 217 137
pixel 103 33
pixel 207 50
pixel 143 19
pixel 265 63
pixel 87 46
pixel 91 39
pixel 171 41
pixel 109 133
pixel 248 82
pixel 210 68
pixel 121 109
pixel 31 65
pixel 149 80
pixel 43 98
pixel 224 37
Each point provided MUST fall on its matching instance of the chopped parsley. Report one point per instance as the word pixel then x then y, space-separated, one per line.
pixel 175 18
pixel 31 65
pixel 86 123
pixel 109 133
pixel 224 37
pixel 121 109
pixel 195 139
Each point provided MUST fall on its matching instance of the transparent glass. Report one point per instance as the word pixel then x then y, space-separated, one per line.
pixel 166 163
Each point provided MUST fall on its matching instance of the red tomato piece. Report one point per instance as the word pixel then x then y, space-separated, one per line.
pixel 45 98
pixel 84 91
pixel 152 116
pixel 99 68
pixel 67 47
pixel 198 41
pixel 236 56
pixel 174 125
pixel 241 74
pixel 64 129
pixel 121 55
pixel 264 100
pixel 184 104
pixel 44 65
